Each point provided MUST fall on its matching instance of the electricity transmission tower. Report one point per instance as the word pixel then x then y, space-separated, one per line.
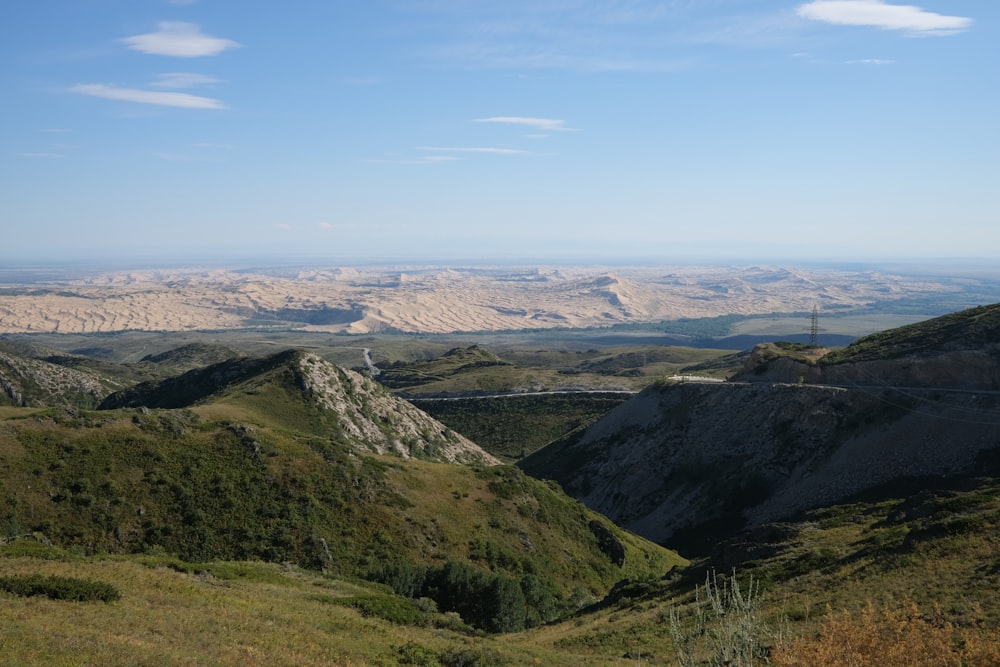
pixel 814 327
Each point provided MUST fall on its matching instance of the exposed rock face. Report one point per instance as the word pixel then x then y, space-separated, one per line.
pixel 379 420
pixel 679 456
pixel 32 382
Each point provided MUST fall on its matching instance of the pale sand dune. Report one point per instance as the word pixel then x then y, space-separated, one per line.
pixel 364 300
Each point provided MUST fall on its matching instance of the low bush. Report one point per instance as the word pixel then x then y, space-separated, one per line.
pixel 392 608
pixel 472 657
pixel 60 588
pixel 904 637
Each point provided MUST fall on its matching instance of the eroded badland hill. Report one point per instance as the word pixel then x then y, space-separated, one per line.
pixel 433 300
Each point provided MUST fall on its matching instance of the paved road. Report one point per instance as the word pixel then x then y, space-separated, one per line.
pixel 518 394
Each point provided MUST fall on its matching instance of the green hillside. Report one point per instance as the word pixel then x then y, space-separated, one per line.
pixel 929 543
pixel 239 516
pixel 967 329
pixel 512 427
pixel 252 469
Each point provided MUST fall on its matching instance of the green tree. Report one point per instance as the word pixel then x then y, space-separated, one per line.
pixel 505 606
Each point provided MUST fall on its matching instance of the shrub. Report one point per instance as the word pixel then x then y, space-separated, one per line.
pixel 392 608
pixel 726 626
pixel 60 588
pixel 412 653
pixel 902 637
pixel 472 657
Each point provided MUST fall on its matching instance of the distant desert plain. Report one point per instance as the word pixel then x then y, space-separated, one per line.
pixel 367 299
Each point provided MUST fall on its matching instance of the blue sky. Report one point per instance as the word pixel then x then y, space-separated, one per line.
pixel 500 129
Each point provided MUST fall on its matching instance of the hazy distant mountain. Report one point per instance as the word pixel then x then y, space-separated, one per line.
pixel 435 300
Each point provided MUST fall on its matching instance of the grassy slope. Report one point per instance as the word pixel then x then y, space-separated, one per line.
pixel 127 481
pixel 933 541
pixel 515 426
pixel 967 329
pixel 236 613
pixel 476 369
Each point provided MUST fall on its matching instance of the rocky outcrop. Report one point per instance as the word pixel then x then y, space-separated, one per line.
pixel 33 382
pixel 356 409
pixel 379 421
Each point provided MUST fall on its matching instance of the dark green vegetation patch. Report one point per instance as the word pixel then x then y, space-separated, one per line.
pixel 512 427
pixel 60 588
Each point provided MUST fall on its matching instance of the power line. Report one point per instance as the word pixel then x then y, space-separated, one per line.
pixel 814 327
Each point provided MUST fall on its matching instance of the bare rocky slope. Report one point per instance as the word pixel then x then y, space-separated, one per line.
pixel 27 382
pixel 917 401
pixel 351 407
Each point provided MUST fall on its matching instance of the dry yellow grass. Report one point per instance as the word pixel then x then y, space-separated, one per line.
pixel 272 616
pixel 171 618
pixel 903 637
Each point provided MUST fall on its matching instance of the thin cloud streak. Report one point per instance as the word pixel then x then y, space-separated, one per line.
pixel 489 150
pixel 547 124
pixel 184 80
pixel 878 14
pixel 181 100
pixel 430 159
pixel 179 40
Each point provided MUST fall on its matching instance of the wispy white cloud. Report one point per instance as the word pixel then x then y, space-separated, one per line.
pixel 547 124
pixel 183 80
pixel 179 40
pixel 879 14
pixel 427 159
pixel 489 150
pixel 161 98
pixel 871 61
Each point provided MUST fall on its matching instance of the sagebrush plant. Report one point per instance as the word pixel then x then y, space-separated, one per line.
pixel 726 626
pixel 900 637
